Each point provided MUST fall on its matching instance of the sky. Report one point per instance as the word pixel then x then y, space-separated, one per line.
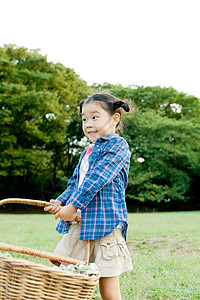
pixel 129 42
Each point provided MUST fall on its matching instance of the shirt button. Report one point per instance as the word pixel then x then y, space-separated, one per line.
pixel 108 243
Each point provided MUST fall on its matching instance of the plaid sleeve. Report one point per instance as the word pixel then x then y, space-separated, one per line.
pixel 110 163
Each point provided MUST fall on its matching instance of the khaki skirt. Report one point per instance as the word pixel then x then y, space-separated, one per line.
pixel 109 253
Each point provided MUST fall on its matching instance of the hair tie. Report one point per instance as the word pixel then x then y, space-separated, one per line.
pixel 122 104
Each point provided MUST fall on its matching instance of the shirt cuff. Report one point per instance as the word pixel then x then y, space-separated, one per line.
pixel 63 200
pixel 77 202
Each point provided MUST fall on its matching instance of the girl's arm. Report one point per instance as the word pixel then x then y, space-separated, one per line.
pixel 112 161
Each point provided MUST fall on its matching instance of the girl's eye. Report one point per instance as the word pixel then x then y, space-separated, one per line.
pixel 84 119
pixel 95 117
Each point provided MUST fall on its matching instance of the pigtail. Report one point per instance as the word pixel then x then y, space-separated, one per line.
pixel 127 106
pixel 121 104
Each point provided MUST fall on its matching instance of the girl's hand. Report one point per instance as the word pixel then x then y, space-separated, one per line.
pixel 67 213
pixel 55 207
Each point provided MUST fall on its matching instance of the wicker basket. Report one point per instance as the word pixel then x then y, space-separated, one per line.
pixel 23 279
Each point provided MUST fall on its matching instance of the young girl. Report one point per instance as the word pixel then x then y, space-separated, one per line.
pixel 96 191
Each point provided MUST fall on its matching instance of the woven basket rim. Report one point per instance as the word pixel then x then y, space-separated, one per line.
pixel 24 262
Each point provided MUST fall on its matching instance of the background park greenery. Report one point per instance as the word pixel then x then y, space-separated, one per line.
pixel 40 134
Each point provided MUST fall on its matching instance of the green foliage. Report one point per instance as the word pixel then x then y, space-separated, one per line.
pixel 165 155
pixel 38 100
pixel 164 139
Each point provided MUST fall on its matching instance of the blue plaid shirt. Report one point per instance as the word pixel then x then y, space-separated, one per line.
pixel 101 196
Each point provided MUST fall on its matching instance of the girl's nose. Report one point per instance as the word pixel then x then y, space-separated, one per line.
pixel 89 124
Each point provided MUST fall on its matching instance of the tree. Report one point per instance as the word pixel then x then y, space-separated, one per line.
pixel 38 100
pixel 165 157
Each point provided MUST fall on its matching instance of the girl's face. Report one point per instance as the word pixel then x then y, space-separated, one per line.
pixel 97 122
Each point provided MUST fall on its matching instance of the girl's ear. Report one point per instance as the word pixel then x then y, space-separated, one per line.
pixel 117 118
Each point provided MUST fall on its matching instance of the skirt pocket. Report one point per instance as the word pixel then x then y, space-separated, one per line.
pixel 112 248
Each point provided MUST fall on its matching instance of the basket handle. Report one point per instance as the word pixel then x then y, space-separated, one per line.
pixel 40 253
pixel 32 202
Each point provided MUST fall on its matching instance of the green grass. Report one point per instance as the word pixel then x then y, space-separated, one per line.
pixel 165 251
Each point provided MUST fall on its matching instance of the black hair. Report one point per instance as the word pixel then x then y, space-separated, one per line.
pixel 111 104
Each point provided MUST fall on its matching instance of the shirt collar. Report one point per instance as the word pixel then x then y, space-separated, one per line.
pixel 108 137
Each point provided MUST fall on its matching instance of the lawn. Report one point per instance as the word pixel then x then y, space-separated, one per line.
pixel 165 250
